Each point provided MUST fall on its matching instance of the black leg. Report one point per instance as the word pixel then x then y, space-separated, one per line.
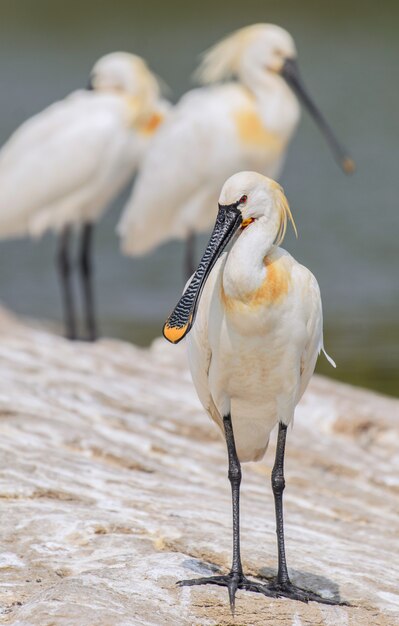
pixel 86 273
pixel 282 585
pixel 64 269
pixel 278 486
pixel 189 259
pixel 234 475
pixel 235 579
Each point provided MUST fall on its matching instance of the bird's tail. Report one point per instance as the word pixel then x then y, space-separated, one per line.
pixel 139 236
pixel 329 359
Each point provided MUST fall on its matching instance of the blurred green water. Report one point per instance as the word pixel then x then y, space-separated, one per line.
pixel 348 227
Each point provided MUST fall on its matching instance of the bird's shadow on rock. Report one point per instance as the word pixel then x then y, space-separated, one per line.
pixel 305 580
pixel 201 567
pixel 315 583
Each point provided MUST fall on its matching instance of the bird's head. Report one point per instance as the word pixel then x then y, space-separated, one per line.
pixel 246 197
pixel 259 54
pixel 258 198
pixel 266 49
pixel 125 73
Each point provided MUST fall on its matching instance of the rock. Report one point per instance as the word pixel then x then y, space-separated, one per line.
pixel 113 487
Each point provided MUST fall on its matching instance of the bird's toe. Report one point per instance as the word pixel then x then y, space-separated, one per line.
pixel 233 581
pixel 290 591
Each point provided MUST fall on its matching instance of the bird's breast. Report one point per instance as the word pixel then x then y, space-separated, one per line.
pixel 140 117
pixel 252 130
pixel 152 123
pixel 272 290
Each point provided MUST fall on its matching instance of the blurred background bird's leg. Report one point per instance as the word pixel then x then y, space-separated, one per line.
pixel 86 275
pixel 64 269
pixel 189 259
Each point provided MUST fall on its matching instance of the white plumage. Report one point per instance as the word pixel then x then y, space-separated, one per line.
pixel 64 166
pixel 215 131
pixel 254 326
pixel 255 362
pixel 258 328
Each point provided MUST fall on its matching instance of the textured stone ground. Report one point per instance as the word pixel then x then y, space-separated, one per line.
pixel 113 486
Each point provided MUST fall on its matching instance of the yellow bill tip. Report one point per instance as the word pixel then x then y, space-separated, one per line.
pixel 174 334
pixel 348 165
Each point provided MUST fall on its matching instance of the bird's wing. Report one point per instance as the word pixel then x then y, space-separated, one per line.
pixel 199 357
pixel 198 345
pixel 200 354
pixel 175 172
pixel 314 328
pixel 54 155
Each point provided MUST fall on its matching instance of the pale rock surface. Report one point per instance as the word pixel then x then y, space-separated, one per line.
pixel 113 487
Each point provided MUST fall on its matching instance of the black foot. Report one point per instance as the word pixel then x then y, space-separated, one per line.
pixel 92 336
pixel 233 582
pixel 272 590
pixel 288 590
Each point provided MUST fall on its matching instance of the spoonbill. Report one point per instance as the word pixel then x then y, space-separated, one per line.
pixel 255 317
pixel 217 130
pixel 62 167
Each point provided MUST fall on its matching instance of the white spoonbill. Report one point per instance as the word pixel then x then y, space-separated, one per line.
pixel 255 317
pixel 62 167
pixel 217 130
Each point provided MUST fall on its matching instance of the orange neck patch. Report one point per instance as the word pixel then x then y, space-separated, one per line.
pixel 152 124
pixel 252 132
pixel 272 290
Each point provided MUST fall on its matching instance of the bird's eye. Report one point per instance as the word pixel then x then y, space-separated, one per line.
pixel 243 199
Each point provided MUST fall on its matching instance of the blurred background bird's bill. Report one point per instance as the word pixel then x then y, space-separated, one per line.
pixel 347 226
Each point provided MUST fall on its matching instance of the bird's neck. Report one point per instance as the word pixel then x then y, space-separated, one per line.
pixel 245 268
pixel 278 106
pixel 144 113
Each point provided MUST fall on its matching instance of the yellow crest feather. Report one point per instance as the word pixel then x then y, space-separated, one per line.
pixel 222 61
pixel 284 212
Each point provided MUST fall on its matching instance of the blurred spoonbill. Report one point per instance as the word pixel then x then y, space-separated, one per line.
pixel 62 167
pixel 217 130
pixel 255 317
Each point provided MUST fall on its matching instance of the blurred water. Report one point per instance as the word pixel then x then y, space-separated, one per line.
pixel 348 227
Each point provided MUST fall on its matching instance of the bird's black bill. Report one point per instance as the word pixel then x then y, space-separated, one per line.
pixel 182 317
pixel 290 73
